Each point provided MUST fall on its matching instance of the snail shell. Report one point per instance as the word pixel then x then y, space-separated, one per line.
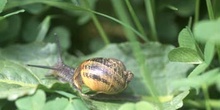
pixel 103 75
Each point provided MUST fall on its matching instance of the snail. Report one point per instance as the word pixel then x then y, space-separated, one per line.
pixel 101 75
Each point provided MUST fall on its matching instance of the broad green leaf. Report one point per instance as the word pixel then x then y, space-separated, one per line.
pixel 9 28
pixel 207 30
pixel 58 104
pixel 158 63
pixel 142 105
pixel 33 102
pixel 34 8
pixel 18 56
pixel 127 106
pixel 65 104
pixel 186 39
pixel 2 5
pixel 187 55
pixel 16 79
pixel 84 17
pixel 173 104
pixel 63 34
pixel 30 30
pixel 66 94
pixel 100 105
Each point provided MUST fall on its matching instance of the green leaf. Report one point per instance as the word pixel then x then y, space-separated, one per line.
pixel 158 64
pixel 58 104
pixel 199 69
pixel 208 78
pixel 176 102
pixel 63 34
pixel 2 5
pixel 142 105
pixel 34 8
pixel 65 104
pixel 207 30
pixel 43 29
pixel 30 30
pixel 16 79
pixel 209 52
pixel 161 69
pixel 186 39
pixel 187 55
pixel 127 106
pixel 33 102
pixel 9 28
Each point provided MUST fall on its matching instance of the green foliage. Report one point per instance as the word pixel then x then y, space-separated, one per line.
pixel 207 30
pixel 164 76
pixel 26 79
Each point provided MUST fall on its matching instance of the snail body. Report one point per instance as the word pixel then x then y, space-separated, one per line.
pixel 102 75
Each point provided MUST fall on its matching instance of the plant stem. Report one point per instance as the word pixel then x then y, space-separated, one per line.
pixel 135 45
pixel 135 19
pixel 210 10
pixel 98 25
pixel 150 15
pixel 206 95
pixel 197 11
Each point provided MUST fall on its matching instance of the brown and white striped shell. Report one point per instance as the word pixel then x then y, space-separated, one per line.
pixel 103 75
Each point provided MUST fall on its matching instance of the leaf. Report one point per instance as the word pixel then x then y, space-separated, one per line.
pixel 43 29
pixel 176 102
pixel 209 52
pixel 127 106
pixel 33 102
pixel 207 78
pixel 58 104
pixel 142 105
pixel 2 5
pixel 9 28
pixel 173 104
pixel 63 34
pixel 199 69
pixel 207 30
pixel 64 104
pixel 187 55
pixel 16 79
pixel 160 68
pixel 34 8
pixel 186 39
pixel 30 30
